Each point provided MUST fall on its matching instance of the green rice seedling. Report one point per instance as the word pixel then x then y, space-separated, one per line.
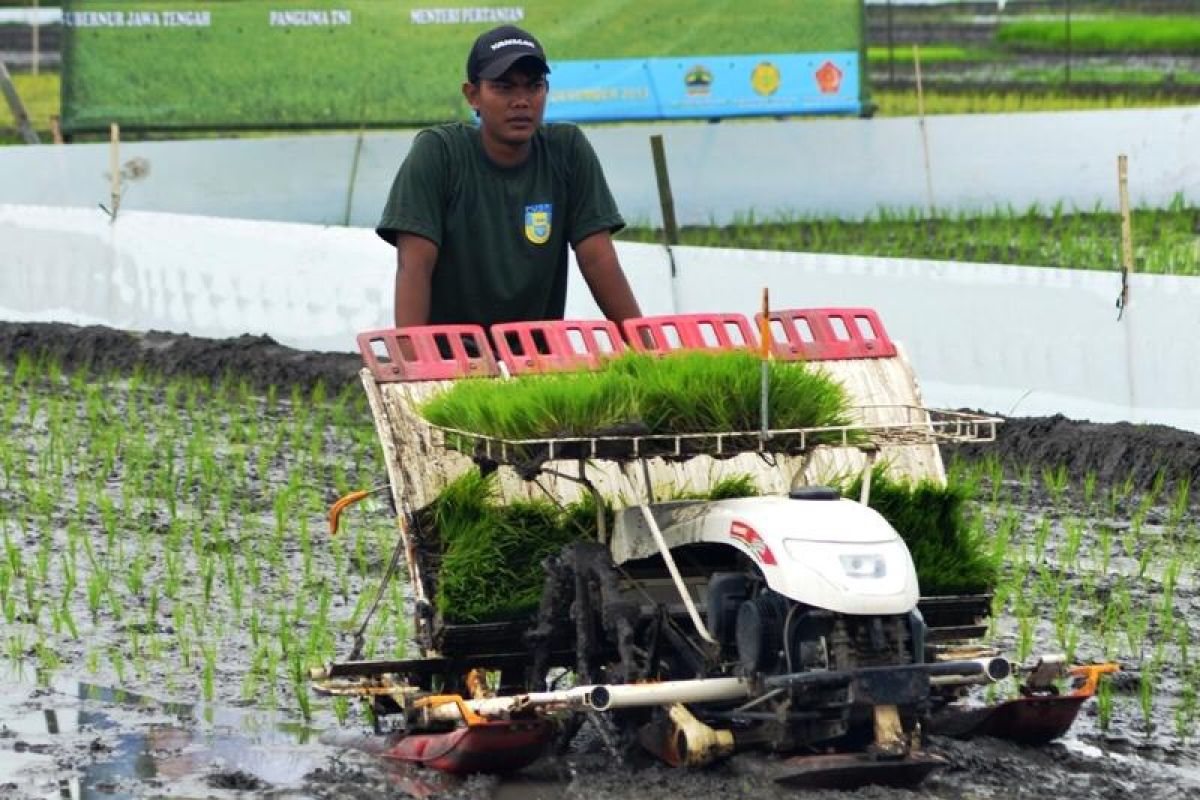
pixel 1180 503
pixel 208 675
pixel 1185 712
pixel 1055 482
pixel 1104 543
pixel 1146 557
pixel 1071 546
pixel 1104 704
pixel 1025 631
pixel 686 392
pixel 1147 686
pixel 1040 538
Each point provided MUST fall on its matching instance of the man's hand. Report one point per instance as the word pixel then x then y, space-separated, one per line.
pixel 598 262
pixel 415 259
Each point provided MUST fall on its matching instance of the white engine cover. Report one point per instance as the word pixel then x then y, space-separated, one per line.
pixel 833 554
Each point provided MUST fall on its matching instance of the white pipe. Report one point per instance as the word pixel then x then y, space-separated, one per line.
pixel 626 695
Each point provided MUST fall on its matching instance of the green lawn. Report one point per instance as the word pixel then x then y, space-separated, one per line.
pixel 1124 34
pixel 383 68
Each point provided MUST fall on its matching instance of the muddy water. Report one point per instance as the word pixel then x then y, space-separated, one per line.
pixel 81 737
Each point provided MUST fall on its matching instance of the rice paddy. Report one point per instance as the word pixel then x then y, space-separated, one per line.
pixel 1166 241
pixel 166 535
pixel 1100 573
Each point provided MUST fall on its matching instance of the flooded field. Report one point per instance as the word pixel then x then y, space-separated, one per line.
pixel 167 579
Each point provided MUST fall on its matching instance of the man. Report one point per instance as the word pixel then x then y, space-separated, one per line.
pixel 481 216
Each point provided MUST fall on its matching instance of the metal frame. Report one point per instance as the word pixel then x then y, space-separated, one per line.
pixel 924 426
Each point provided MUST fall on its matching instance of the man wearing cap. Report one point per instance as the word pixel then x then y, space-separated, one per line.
pixel 481 216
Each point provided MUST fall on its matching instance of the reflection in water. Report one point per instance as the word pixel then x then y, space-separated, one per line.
pixel 127 745
pixel 149 742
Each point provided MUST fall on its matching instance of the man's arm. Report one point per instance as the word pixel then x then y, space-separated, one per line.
pixel 415 259
pixel 598 262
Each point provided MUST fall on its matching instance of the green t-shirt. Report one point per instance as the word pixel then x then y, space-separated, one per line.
pixel 502 232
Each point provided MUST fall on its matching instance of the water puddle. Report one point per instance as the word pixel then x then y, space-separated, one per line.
pixel 79 740
pixel 74 740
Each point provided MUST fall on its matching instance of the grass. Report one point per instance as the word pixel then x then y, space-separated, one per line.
pixel 351 73
pixel 1117 34
pixel 39 94
pixel 686 392
pixel 1165 240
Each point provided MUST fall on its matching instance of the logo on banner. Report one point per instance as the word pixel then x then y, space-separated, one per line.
pixel 698 80
pixel 537 222
pixel 765 79
pixel 829 78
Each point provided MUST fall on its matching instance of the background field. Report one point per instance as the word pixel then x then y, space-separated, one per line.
pixel 383 68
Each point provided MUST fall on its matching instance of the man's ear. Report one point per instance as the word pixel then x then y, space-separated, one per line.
pixel 471 93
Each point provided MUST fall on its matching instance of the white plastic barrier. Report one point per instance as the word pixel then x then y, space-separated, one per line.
pixel 1009 339
pixel 306 286
pixel 827 167
pixel 1019 340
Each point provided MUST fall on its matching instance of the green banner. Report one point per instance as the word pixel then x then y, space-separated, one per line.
pixel 276 64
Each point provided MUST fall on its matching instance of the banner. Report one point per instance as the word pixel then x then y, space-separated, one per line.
pixel 228 64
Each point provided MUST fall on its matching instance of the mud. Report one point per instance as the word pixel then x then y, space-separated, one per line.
pixel 1114 453
pixel 72 737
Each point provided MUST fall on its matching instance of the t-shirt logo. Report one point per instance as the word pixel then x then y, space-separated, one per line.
pixel 537 222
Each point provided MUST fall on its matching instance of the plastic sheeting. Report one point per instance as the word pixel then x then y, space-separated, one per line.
pixel 719 173
pixel 999 338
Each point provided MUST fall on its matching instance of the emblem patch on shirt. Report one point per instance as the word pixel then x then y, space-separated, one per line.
pixel 537 222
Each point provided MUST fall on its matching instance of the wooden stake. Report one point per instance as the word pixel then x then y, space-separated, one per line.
pixel 1126 223
pixel 114 167
pixel 764 335
pixel 670 229
pixel 1126 234
pixel 37 38
pixel 56 129
pixel 921 124
pixel 17 107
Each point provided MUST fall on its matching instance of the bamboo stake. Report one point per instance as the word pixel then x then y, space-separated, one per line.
pixel 1126 232
pixel 1126 223
pixel 764 337
pixel 114 167
pixel 37 38
pixel 921 124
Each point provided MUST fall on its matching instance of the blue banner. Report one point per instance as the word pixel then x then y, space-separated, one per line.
pixel 705 87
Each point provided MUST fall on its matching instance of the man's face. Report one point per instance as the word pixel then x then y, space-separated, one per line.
pixel 511 106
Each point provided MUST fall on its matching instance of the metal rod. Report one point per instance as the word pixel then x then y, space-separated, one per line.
pixel 680 586
pixel 921 124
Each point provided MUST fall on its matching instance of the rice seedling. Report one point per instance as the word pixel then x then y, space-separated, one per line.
pixel 683 392
pixel 1055 482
